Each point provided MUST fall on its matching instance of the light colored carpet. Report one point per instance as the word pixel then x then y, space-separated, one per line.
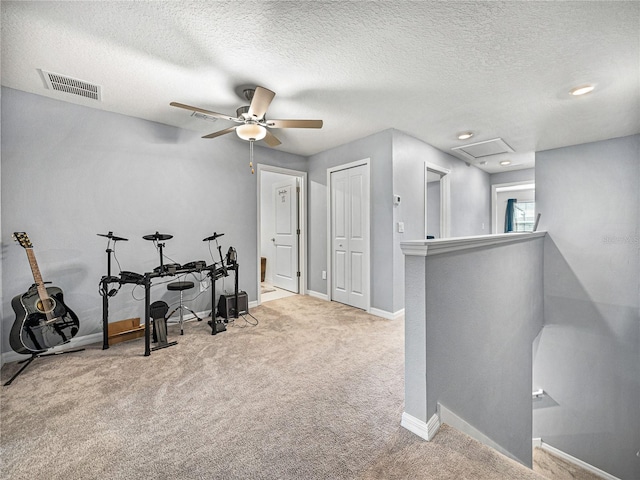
pixel 315 391
pixel 556 468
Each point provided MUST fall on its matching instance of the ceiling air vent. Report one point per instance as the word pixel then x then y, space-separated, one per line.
pixel 479 150
pixel 204 116
pixel 61 83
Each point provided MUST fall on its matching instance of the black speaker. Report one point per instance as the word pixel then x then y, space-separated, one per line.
pixel 227 305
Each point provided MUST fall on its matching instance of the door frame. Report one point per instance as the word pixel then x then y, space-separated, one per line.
pixel 503 187
pixel 364 162
pixel 302 223
pixel 445 199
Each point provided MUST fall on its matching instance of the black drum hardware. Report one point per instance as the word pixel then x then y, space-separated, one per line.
pixel 108 279
pixel 170 268
pixel 217 271
pixel 155 237
pixel 197 265
pixel 156 310
pixel 213 237
pixel 130 277
pixel 111 236
pixel 159 311
pixel 181 286
pixel 230 306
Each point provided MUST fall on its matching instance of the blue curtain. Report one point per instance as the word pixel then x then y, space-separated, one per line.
pixel 509 216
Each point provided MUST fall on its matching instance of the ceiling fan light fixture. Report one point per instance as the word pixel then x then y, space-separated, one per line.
pixel 581 90
pixel 251 131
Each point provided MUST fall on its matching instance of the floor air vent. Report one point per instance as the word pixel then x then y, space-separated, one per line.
pixel 479 150
pixel 62 83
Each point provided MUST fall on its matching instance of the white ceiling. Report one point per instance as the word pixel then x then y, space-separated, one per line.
pixel 430 69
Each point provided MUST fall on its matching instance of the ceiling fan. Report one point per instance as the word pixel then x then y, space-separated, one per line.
pixel 253 125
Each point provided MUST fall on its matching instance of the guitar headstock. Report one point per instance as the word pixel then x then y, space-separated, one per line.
pixel 23 239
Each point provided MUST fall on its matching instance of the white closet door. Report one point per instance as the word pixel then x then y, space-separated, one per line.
pixel 350 236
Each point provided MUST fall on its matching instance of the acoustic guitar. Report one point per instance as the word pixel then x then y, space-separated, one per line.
pixel 43 320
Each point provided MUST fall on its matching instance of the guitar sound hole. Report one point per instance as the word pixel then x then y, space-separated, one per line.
pixel 46 305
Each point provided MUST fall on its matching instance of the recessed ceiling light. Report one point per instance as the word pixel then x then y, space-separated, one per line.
pixel 465 135
pixel 581 90
pixel 504 163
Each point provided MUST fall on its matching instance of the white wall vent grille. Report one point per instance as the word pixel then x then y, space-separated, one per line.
pixel 478 150
pixel 62 83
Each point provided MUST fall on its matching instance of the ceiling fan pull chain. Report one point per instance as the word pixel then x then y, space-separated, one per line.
pixel 251 155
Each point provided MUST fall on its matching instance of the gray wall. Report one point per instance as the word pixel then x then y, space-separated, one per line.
pixel 377 148
pixel 475 349
pixel 588 356
pixel 71 172
pixel 2 251
pixel 470 194
pixel 527 175
pixel 397 167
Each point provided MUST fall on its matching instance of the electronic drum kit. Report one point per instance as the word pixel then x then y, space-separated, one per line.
pixel 215 271
pixel 218 269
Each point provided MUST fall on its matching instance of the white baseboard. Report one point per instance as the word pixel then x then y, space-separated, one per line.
pixel 450 418
pixel 388 315
pixel 373 311
pixel 321 296
pixel 77 342
pixel 74 343
pixel 84 340
pixel 423 430
pixel 538 442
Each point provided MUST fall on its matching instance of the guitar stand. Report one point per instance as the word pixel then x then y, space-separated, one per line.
pixel 28 361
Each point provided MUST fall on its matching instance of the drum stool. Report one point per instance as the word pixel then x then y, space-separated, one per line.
pixel 181 287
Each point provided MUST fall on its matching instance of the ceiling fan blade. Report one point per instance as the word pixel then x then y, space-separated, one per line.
pixel 271 139
pixel 294 123
pixel 261 100
pixel 221 132
pixel 206 112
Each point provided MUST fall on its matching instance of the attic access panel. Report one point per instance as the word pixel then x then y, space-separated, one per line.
pixel 487 148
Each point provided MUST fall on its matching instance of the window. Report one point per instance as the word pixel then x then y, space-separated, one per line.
pixel 524 216
pixel 521 194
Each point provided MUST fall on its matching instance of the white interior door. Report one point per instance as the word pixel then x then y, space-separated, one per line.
pixel 350 236
pixel 286 236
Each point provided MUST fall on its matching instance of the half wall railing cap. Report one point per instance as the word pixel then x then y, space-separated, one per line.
pixel 423 248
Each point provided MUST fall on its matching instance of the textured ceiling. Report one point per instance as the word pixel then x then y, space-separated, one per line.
pixel 430 69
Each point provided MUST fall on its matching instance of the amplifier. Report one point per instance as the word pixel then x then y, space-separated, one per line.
pixel 227 305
